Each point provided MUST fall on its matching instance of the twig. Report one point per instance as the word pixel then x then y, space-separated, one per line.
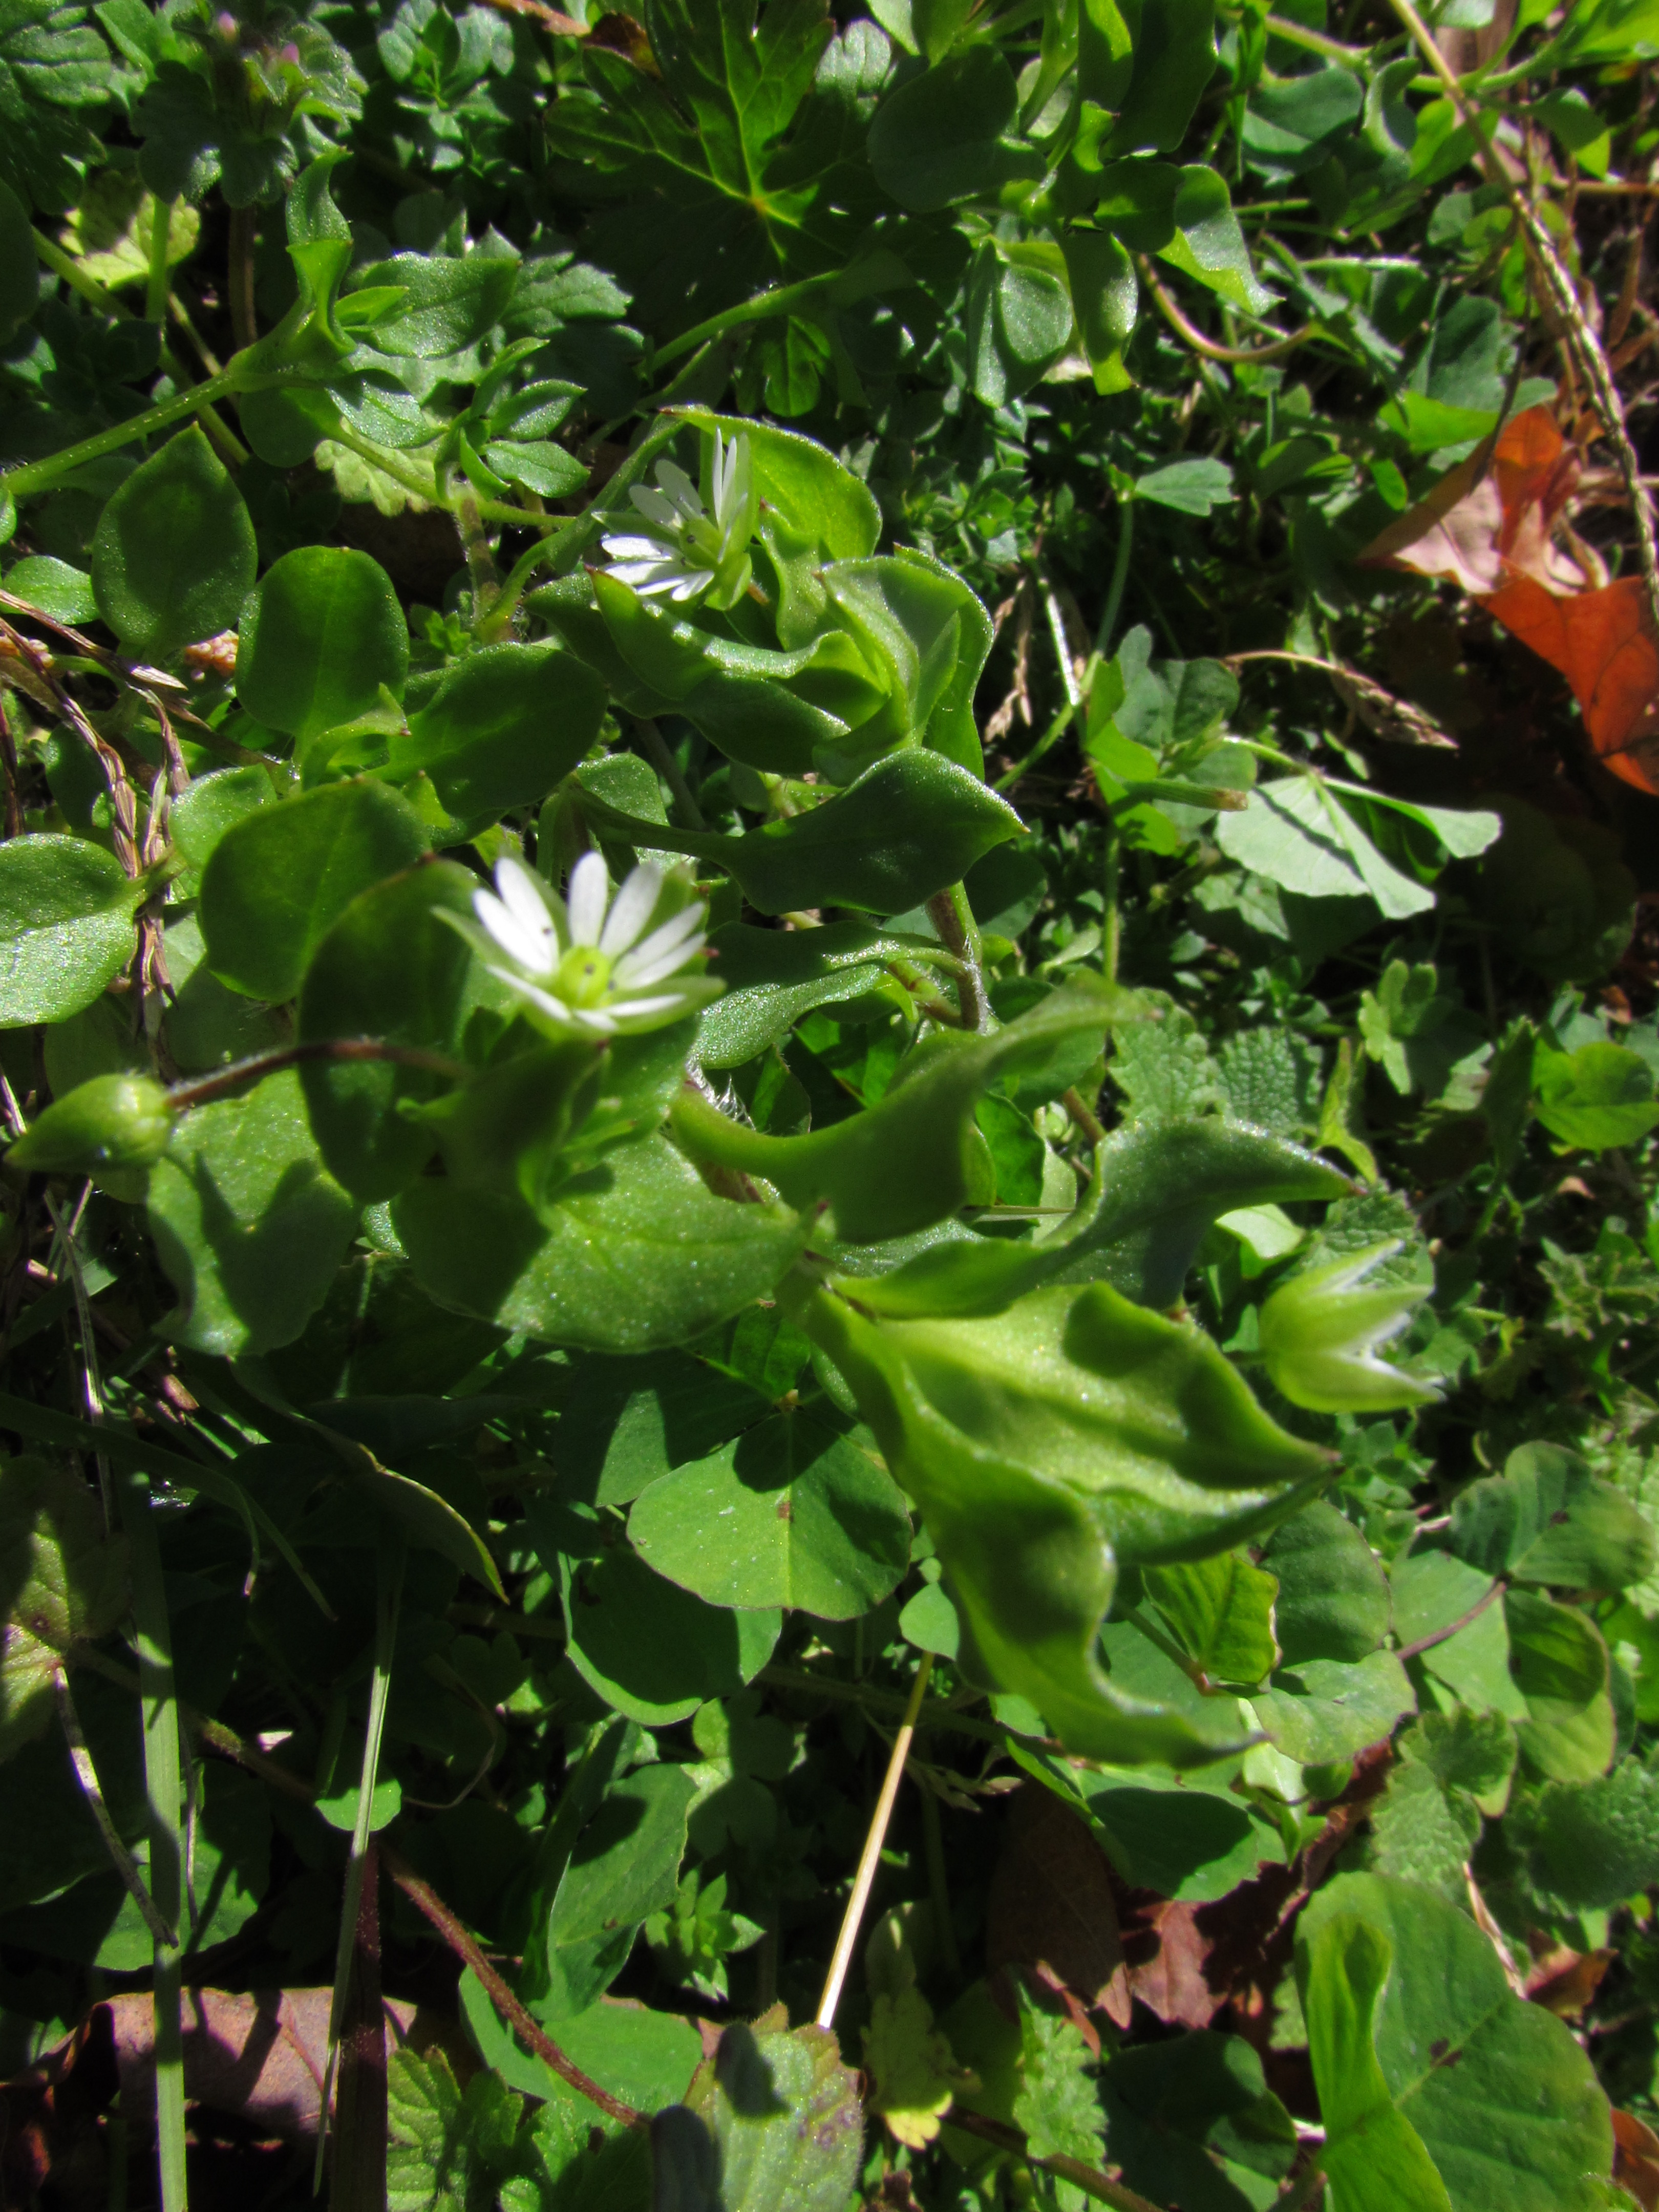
pixel 864 1880
pixel 207 1088
pixel 1581 338
pixel 1444 1635
pixel 1207 347
pixel 427 1901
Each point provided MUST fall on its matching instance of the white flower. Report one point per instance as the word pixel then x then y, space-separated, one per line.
pixel 590 962
pixel 683 552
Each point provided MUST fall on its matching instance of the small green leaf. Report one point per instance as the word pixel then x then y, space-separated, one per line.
pixel 320 636
pixel 1221 1612
pixel 280 879
pixel 1325 1711
pixel 503 727
pixel 639 1253
pixel 946 136
pixel 1547 1519
pixel 1596 1098
pixel 53 586
pixel 774 2118
pixel 1559 1663
pixel 790 1513
pixel 1194 487
pixel 66 926
pixel 248 1224
pixel 1332 1593
pixel 62 1582
pixel 173 558
pixel 1594 1843
pixel 20 274
pixel 625 1867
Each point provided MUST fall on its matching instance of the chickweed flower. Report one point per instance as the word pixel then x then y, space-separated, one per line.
pixel 1320 1332
pixel 587 962
pixel 682 552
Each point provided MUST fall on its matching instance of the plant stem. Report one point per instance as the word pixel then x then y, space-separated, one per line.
pixel 1120 581
pixel 426 1900
pixel 1111 924
pixel 38 476
pixel 1100 2186
pixel 656 750
pixel 163 1785
pixel 870 1858
pixel 206 1088
pixel 388 1595
pixel 938 1884
pixel 155 289
pixel 86 1774
pixel 959 933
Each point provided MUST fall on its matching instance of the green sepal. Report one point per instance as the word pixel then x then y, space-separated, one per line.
pixel 113 1121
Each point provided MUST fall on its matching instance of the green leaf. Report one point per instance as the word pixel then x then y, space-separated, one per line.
pixel 774 977
pixel 277 882
pixel 631 1421
pixel 66 926
pixel 62 1582
pixel 52 585
pixel 1195 487
pixel 1178 2110
pixel 945 137
pixel 447 305
pixel 1421 1832
pixel 645 2057
pixel 648 1647
pixel 1596 1098
pixel 1372 2153
pixel 1471 1752
pixel 20 285
pixel 320 636
pixel 910 825
pixel 1547 1519
pixel 1186 217
pixel 773 2118
pixel 503 727
pixel 625 1866
pixel 1186 1836
pixel 790 1513
pixel 909 1161
pixel 173 558
pixel 248 1222
pixel 1503 2099
pixel 1333 1593
pixel 638 1254
pixel 1018 317
pixel 1325 1711
pixel 1175 59
pixel 1594 1843
pixel 55 71
pixel 209 806
pixel 1288 122
pixel 388 968
pixel 1560 1667
pixel 1221 1613
pixel 1043 1448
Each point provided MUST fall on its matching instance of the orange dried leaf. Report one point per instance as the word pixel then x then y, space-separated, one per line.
pixel 1603 643
pixel 1493 517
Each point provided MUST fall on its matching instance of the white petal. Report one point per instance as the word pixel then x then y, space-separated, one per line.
pixel 637 549
pixel 670 1002
pixel 720 472
pixel 673 937
pixel 544 999
pixel 655 506
pixel 689 585
pixel 531 948
pixel 646 577
pixel 585 899
pixel 522 891
pixel 680 487
pixel 631 909
pixel 593 1018
pixel 633 974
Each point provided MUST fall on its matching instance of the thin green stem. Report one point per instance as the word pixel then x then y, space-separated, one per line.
pixel 388 1595
pixel 155 289
pixel 657 751
pixel 39 476
pixel 1120 581
pixel 163 1787
pixel 760 309
pixel 959 933
pixel 1111 884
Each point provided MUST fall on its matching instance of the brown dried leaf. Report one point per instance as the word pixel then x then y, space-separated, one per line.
pixel 1051 1898
pixel 1493 518
pixel 1172 1982
pixel 1636 2159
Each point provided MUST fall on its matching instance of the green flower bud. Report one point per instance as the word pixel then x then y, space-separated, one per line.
pixel 1321 1331
pixel 113 1121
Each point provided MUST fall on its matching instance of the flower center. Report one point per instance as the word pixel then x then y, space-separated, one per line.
pixel 582 977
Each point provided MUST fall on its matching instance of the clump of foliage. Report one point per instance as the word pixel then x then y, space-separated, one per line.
pixel 759 989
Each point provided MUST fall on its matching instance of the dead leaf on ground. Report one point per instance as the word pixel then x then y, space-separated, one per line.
pixel 1172 1982
pixel 1564 1981
pixel 1636 2159
pixel 1051 1898
pixel 1493 525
